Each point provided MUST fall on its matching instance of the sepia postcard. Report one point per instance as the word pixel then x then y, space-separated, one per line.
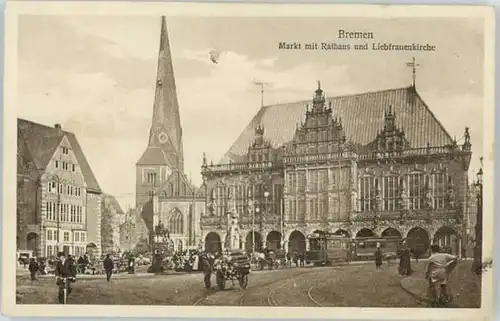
pixel 210 160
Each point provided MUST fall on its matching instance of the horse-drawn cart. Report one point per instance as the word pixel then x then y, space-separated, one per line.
pixel 234 266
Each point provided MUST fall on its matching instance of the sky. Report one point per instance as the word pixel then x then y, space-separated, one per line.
pixel 95 75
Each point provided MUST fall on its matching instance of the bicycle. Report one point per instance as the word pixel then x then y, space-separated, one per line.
pixel 65 281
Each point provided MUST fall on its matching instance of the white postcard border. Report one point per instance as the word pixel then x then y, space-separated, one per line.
pixel 14 9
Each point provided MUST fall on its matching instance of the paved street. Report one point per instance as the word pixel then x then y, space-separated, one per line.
pixel 351 285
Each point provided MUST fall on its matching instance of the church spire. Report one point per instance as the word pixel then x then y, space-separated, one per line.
pixel 166 131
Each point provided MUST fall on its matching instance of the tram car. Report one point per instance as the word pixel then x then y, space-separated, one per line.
pixel 328 248
pixel 363 248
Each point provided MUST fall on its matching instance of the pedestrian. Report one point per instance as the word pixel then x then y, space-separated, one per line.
pixel 438 269
pixel 108 267
pixel 378 257
pixel 289 258
pixel 404 260
pixel 207 261
pixel 64 276
pixel 33 267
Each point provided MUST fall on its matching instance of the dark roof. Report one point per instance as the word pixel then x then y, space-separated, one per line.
pixel 42 142
pixel 362 117
pixel 154 155
pixel 111 201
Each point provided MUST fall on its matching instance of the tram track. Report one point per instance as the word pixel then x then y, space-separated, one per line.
pixel 245 292
pixel 309 295
pixel 269 295
pixel 271 299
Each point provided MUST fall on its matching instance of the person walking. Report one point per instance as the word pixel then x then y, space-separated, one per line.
pixel 207 262
pixel 108 267
pixel 404 260
pixel 378 257
pixel 33 267
pixel 437 272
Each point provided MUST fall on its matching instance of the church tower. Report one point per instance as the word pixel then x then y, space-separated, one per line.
pixel 164 153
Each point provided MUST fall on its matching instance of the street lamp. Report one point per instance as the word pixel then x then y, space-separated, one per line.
pixel 478 246
pixel 256 211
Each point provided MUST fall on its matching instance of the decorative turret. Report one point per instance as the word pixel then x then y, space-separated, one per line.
pixel 390 138
pixel 390 119
pixel 318 100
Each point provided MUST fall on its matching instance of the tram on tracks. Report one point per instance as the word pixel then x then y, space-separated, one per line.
pixel 328 248
pixel 363 248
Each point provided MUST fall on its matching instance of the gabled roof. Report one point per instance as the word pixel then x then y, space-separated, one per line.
pixel 25 163
pixel 177 178
pixel 110 200
pixel 155 155
pixel 362 117
pixel 42 142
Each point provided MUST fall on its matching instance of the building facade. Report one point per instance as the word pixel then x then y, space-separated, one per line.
pixel 133 230
pixel 110 224
pixel 62 210
pixel 163 191
pixel 471 218
pixel 368 165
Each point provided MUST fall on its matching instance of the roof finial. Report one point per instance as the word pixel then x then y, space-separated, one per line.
pixel 261 84
pixel 413 65
pixel 319 85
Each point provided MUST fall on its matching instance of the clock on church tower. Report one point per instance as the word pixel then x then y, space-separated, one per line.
pixel 162 137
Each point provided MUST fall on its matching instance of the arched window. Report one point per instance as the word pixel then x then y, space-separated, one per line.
pixel 175 222
pixel 49 251
pixel 170 189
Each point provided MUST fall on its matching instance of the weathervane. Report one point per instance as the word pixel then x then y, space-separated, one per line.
pixel 261 84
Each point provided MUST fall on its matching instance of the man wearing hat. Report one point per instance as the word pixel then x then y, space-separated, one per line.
pixel 378 257
pixel 64 270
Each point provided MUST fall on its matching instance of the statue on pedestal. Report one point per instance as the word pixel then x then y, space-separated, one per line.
pixel 404 201
pixel 429 199
pixel 234 232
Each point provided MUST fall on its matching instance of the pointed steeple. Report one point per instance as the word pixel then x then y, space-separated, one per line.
pixel 166 130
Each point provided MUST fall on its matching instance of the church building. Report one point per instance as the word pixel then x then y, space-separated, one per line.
pixel 163 191
pixel 374 164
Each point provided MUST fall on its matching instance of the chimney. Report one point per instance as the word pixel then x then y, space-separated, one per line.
pixel 58 127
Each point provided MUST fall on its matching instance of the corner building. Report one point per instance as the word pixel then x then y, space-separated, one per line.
pixel 59 198
pixel 372 164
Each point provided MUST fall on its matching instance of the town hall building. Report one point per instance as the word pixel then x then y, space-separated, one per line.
pixel 374 164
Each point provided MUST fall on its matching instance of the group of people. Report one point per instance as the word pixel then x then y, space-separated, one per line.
pixel 437 271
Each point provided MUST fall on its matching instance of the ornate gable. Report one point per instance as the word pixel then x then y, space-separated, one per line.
pixel 260 150
pixel 390 138
pixel 320 132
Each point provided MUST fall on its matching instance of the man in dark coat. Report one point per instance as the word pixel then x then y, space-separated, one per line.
pixel 378 257
pixel 207 261
pixel 108 267
pixel 33 267
pixel 65 275
pixel 405 260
